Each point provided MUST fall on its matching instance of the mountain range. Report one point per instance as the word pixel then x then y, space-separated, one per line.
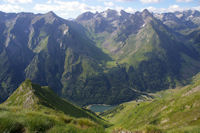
pixel 99 58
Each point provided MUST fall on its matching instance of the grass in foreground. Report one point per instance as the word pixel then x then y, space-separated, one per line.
pixel 33 108
pixel 14 119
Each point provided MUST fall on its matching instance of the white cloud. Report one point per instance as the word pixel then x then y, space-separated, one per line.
pixel 18 1
pixel 130 10
pixel 49 1
pixel 71 9
pixel 124 0
pixel 171 8
pixel 110 4
pixel 150 1
pixel 76 6
pixel 152 9
pixel 67 9
pixel 45 8
pixel 184 0
pixel 174 7
pixel 114 0
pixel 118 8
pixel 10 8
pixel 196 8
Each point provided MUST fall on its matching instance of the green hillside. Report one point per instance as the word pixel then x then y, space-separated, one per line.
pixel 98 58
pixel 175 110
pixel 153 56
pixel 32 108
pixel 18 120
pixel 57 53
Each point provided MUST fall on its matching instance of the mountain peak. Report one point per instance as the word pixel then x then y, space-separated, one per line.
pixel 85 16
pixel 124 13
pixel 110 13
pixel 146 13
pixel 51 13
pixel 24 95
pixel 50 17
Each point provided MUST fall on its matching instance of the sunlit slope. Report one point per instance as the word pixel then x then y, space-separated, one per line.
pixel 35 108
pixel 174 110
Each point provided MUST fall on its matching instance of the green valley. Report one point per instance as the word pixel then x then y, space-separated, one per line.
pixel 173 111
pixel 98 57
pixel 32 108
pixel 140 72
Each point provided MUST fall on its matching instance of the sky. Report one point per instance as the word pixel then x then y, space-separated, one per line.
pixel 72 8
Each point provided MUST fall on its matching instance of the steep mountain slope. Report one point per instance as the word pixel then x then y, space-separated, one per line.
pixel 55 52
pixel 155 57
pixel 45 48
pixel 106 57
pixel 38 109
pixel 175 110
pixel 34 97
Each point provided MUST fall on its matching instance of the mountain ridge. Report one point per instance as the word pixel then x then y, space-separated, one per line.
pixel 101 56
pixel 34 97
pixel 35 108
